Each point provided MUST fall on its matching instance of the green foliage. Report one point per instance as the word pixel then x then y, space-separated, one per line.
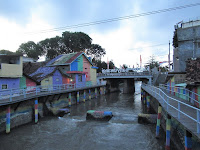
pixel 124 66
pixel 69 42
pixel 76 42
pixel 102 65
pixel 30 49
pixel 96 51
pixel 7 52
pixel 175 39
pixel 52 47
pixel 153 63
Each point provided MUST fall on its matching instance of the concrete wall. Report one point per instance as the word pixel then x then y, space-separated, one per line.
pixel 188 39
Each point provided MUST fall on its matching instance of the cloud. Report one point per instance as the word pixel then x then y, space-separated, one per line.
pixel 13 34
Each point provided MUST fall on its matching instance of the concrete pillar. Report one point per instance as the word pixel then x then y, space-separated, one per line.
pixel 36 111
pixel 89 94
pixel 142 94
pixel 77 97
pixel 101 90
pixel 168 132
pixel 129 86
pixel 8 119
pixel 95 92
pixel 148 103
pixel 84 96
pixel 70 96
pixel 188 140
pixel 145 97
pixel 158 121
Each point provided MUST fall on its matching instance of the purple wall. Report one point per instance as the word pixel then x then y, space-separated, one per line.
pixel 11 82
pixel 57 78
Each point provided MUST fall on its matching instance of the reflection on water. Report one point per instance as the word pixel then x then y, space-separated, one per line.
pixel 73 132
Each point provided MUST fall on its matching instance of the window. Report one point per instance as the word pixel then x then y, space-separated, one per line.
pixel 47 80
pixel 57 79
pixel 4 86
pixel 79 78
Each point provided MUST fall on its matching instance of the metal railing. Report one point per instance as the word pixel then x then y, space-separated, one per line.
pixel 178 109
pixel 36 90
pixel 124 74
pixel 183 93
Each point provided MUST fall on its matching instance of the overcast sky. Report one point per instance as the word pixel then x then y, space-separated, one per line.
pixel 124 40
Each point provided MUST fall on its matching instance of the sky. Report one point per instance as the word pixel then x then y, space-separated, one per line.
pixel 124 40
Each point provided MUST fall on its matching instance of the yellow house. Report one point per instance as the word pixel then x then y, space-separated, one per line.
pixel 93 75
pixel 11 66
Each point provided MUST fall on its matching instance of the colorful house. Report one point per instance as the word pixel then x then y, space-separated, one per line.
pixel 27 82
pixel 78 66
pixel 10 71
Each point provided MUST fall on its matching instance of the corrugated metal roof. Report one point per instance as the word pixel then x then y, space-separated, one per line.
pixel 42 73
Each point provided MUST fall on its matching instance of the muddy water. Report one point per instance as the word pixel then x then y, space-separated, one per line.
pixel 73 132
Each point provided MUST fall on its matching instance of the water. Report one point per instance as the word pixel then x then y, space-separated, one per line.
pixel 73 132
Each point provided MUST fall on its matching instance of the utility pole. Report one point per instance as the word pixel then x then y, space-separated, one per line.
pixel 169 55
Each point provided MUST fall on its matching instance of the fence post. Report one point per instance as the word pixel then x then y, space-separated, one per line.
pixel 158 120
pixel 11 95
pixel 24 92
pixel 198 121
pixel 179 107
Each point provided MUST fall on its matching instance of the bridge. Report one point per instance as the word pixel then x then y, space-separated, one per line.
pixel 181 106
pixel 12 96
pixel 112 78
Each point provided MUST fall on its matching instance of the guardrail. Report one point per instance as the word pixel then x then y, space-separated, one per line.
pixel 124 74
pixel 183 93
pixel 193 113
pixel 11 93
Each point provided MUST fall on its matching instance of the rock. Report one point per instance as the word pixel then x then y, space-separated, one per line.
pixel 147 118
pixel 99 115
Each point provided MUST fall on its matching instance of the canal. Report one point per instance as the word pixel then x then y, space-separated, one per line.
pixel 73 132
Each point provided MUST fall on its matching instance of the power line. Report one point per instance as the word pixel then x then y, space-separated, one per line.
pixel 115 19
pixel 148 46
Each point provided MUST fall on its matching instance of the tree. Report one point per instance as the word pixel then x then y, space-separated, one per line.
pixel 7 52
pixel 76 42
pixel 30 49
pixel 52 47
pixel 152 63
pixel 111 65
pixel 124 66
pixel 96 51
pixel 102 64
pixel 175 39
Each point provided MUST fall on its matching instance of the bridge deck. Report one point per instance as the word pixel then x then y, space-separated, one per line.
pixel 20 98
pixel 188 123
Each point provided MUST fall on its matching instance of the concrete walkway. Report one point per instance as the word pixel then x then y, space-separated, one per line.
pixel 178 108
